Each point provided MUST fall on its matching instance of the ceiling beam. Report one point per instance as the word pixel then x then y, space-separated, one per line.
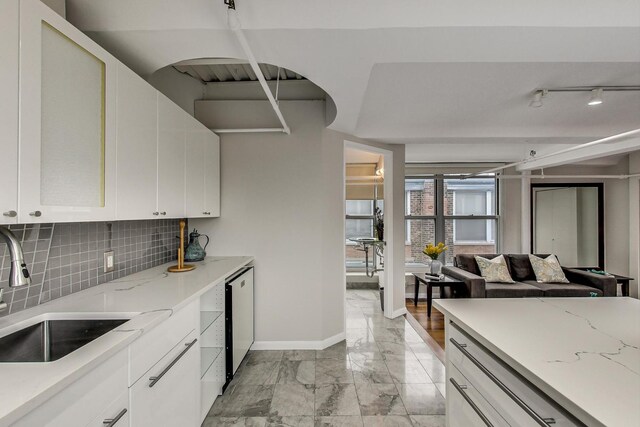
pixel 582 154
pixel 249 71
pixel 204 75
pixel 220 76
pixel 265 70
pixel 234 72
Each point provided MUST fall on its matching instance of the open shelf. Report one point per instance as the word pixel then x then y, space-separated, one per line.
pixel 207 318
pixel 208 355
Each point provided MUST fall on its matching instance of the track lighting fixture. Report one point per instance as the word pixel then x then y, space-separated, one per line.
pixel 596 93
pixel 596 97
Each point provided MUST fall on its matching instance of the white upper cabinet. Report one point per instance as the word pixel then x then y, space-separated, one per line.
pixel 195 168
pixel 67 121
pixel 83 138
pixel 137 138
pixel 203 171
pixel 9 55
pixel 212 175
pixel 171 158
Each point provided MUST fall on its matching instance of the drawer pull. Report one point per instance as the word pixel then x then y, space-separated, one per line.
pixel 461 389
pixel 157 378
pixel 10 214
pixel 110 422
pixel 544 422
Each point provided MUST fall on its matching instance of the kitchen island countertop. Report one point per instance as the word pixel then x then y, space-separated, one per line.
pixel 584 353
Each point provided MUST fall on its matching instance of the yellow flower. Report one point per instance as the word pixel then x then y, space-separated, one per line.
pixel 434 252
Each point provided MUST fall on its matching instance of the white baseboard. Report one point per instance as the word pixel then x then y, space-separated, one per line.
pixel 299 345
pixel 399 312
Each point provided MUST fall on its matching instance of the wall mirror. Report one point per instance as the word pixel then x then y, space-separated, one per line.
pixel 568 220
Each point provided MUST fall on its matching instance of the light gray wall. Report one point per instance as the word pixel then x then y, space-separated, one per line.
pixel 282 203
pixel 178 87
pixel 587 211
pixel 282 200
pixel 510 214
pixel 634 224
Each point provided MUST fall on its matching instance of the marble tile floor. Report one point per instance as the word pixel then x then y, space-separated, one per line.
pixel 383 374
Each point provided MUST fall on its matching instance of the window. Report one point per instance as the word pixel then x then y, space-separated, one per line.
pixel 359 223
pixel 420 213
pixel 459 212
pixel 472 198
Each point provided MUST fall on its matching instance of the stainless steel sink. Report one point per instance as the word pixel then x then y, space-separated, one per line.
pixel 51 340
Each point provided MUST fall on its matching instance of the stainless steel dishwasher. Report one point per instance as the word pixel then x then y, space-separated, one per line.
pixel 239 329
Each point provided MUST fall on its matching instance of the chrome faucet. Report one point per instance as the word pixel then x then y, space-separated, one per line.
pixel 19 274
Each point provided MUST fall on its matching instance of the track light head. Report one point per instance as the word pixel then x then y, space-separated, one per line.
pixel 596 97
pixel 536 101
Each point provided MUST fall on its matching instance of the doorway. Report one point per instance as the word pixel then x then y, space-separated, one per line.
pixel 368 221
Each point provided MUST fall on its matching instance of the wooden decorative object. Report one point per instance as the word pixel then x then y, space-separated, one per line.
pixel 181 266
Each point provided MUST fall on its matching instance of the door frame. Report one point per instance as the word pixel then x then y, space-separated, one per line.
pixel 387 276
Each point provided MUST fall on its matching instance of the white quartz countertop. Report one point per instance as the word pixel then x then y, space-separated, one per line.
pixel 148 298
pixel 584 353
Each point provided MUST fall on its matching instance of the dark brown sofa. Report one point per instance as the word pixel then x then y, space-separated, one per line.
pixel 582 283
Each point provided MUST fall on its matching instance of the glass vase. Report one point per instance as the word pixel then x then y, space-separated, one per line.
pixel 436 267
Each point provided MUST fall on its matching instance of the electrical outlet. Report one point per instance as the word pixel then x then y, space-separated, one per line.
pixel 109 264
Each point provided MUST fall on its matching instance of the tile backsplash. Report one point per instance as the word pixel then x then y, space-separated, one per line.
pixel 68 257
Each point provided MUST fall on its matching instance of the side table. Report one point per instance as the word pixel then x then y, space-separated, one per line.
pixel 420 278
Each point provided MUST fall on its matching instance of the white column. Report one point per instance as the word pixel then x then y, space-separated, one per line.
pixel 525 214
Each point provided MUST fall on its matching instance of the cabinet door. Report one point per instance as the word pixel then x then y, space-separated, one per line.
pixel 67 121
pixel 137 137
pixel 171 158
pixel 195 169
pixel 93 396
pixel 9 56
pixel 116 414
pixel 212 175
pixel 173 399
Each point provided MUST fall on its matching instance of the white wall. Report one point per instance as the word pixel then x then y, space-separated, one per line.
pixel 180 88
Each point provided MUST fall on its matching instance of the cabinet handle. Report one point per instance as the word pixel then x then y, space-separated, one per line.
pixel 110 422
pixel 156 213
pixel 163 213
pixel 461 389
pixel 157 378
pixel 206 213
pixel 35 213
pixel 544 422
pixel 10 214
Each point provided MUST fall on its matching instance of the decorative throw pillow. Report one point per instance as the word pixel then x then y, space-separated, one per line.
pixel 547 270
pixel 494 270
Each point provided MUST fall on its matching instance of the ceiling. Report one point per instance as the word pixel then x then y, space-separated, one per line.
pixel 352 155
pixel 428 73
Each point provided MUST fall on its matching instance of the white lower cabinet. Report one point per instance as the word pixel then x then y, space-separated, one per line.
pixel 483 391
pixel 169 376
pixel 115 415
pixel 169 394
pixel 87 400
